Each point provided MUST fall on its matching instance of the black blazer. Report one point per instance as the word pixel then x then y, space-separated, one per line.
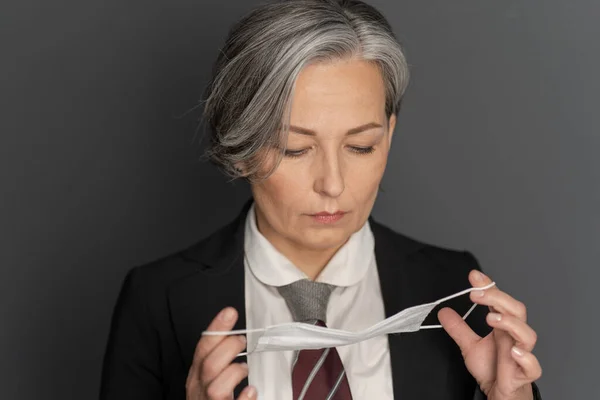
pixel 164 306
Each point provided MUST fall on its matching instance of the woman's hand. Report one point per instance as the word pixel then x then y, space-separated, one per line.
pixel 501 362
pixel 212 375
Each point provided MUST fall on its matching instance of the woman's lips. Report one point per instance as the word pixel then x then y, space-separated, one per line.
pixel 328 218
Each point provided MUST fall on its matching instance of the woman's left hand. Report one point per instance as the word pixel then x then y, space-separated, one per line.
pixel 501 362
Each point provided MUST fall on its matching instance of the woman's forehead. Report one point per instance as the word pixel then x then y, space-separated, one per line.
pixel 348 92
pixel 339 79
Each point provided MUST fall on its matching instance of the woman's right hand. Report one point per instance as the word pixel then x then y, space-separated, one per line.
pixel 212 375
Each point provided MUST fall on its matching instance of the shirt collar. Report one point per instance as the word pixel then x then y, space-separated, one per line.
pixel 346 268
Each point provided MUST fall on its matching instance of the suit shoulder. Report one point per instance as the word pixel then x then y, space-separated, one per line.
pixel 423 251
pixel 189 259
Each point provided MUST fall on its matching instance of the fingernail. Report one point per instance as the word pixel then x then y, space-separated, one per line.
pixel 244 365
pixel 251 392
pixel 478 276
pixel 479 293
pixel 227 314
pixel 517 351
pixel 495 316
pixel 242 339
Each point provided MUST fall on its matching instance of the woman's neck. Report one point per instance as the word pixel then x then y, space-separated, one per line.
pixel 309 261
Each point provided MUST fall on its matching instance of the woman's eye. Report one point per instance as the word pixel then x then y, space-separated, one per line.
pixel 362 150
pixel 294 153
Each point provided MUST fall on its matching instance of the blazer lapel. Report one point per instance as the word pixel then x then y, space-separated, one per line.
pixel 391 254
pixel 215 280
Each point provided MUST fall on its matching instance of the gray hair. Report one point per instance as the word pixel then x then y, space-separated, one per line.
pixel 248 101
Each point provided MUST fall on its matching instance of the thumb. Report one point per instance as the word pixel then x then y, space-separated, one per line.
pixel 458 329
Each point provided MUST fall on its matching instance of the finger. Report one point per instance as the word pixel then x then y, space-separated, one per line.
pixel 524 336
pixel 501 302
pixel 506 367
pixel 458 329
pixel 222 387
pixel 531 369
pixel 249 392
pixel 479 279
pixel 221 357
pixel 225 320
pixel 496 299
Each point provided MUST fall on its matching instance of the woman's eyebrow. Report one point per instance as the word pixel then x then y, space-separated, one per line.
pixel 352 131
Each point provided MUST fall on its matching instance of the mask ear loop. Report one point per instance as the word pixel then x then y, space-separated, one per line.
pixel 234 332
pixel 457 295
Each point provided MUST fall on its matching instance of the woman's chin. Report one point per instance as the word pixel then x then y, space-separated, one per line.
pixel 325 239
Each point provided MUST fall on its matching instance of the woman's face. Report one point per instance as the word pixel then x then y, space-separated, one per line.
pixel 336 155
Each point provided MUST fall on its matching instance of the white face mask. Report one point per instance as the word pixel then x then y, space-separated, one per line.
pixel 300 335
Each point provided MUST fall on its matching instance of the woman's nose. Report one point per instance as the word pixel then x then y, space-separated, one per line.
pixel 329 177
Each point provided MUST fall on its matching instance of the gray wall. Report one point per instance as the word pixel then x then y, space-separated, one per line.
pixel 495 151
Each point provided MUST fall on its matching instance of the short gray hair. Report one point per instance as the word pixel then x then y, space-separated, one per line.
pixel 248 101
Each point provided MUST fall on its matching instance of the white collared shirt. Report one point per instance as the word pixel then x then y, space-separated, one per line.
pixel 356 303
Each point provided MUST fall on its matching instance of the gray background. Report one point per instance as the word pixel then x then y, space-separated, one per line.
pixel 496 151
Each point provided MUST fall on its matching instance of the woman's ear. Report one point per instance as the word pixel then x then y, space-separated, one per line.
pixel 391 126
pixel 240 168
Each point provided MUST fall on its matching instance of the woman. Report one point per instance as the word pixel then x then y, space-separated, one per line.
pixel 303 105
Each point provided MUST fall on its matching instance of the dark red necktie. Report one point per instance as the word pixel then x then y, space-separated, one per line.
pixel 317 374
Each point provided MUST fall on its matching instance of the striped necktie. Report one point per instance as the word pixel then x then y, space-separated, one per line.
pixel 317 374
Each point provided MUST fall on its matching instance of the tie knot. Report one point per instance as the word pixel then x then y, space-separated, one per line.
pixel 307 300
